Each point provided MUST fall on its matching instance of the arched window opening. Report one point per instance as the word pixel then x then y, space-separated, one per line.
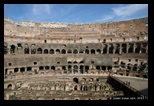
pixel 12 49
pixel 75 62
pixel 46 67
pixel 111 49
pixel 52 67
pixel 130 50
pixel 46 51
pixel 51 51
pixel 109 68
pixel 81 51
pixel 75 51
pixel 75 69
pixel 135 67
pixel 86 51
pixel 105 49
pixel 98 51
pixel 76 80
pixel 5 49
pixel 57 51
pixel 104 68
pixel 16 70
pixel 41 68
pixel 123 64
pixel 69 51
pixel 39 51
pixel 124 48
pixel 63 51
pixel 22 69
pixel 29 68
pixel 75 88
pixel 69 62
pixel 9 86
pixel 92 51
pixel 98 67
pixel 81 69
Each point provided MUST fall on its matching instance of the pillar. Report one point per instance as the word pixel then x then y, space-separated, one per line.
pixel 72 69
pixel 78 69
pixel 108 49
pixel 120 48
pixel 127 47
pixel 8 50
pixel 18 70
pixel 134 47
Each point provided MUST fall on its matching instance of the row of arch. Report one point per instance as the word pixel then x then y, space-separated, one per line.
pixel 106 50
pixel 82 68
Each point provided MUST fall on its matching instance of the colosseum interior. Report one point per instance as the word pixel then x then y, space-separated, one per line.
pixel 59 61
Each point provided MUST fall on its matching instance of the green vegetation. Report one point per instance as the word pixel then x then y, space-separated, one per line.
pixel 6 82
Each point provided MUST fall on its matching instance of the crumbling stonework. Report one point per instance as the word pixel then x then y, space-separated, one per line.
pixel 52 60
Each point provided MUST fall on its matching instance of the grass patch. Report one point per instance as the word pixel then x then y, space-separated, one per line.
pixel 6 82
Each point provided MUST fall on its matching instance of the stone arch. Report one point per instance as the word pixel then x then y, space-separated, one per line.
pixel 124 48
pixel 52 67
pixel 137 50
pixel 117 50
pixel 75 51
pixel 15 70
pixel 143 50
pixel 69 51
pixel 33 49
pixel 26 50
pixel 63 51
pixel 12 49
pixel 130 50
pixel 51 51
pixel 75 68
pixel 69 62
pixel 81 51
pixel 81 69
pixel 9 86
pixel 111 49
pixel 39 51
pixel 57 51
pixel 75 88
pixel 122 64
pixel 41 68
pixel 45 51
pixel 22 69
pixel 75 62
pixel 98 51
pixel 86 51
pixel 76 80
pixel 135 67
pixel 105 49
pixel 92 51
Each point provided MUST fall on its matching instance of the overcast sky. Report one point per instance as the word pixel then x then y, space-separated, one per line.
pixel 74 13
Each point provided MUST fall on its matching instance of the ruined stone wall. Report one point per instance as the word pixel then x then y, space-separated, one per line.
pixel 37 50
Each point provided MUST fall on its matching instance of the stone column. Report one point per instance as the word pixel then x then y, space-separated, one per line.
pixel 134 47
pixel 114 48
pixel 72 69
pixel 147 48
pixel 29 50
pixel 9 50
pixel 66 69
pixel 141 48
pixel 127 47
pixel 18 70
pixel 83 69
pixel 120 48
pixel 108 46
pixel 78 69
pixel 25 69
